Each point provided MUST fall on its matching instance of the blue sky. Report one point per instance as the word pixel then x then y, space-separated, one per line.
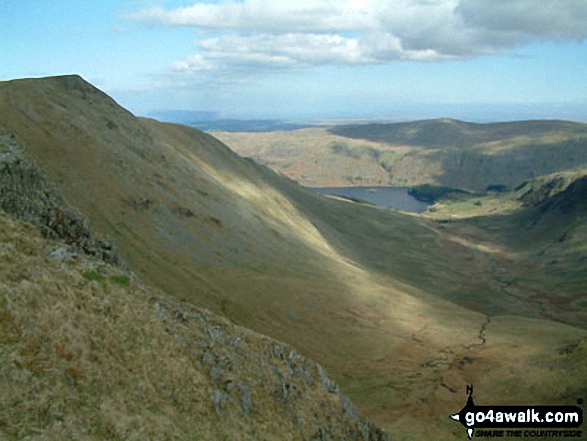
pixel 401 59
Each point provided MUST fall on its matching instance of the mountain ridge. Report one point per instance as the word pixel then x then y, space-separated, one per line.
pixel 74 321
pixel 446 132
pixel 451 153
pixel 375 296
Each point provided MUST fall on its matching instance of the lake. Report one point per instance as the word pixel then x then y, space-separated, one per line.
pixel 388 197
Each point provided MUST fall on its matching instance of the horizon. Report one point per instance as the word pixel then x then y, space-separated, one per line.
pixel 490 115
pixel 472 60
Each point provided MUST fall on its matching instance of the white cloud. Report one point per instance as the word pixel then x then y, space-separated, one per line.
pixel 117 29
pixel 274 36
pixel 264 16
pixel 504 23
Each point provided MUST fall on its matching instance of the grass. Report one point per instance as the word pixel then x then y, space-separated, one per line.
pixel 91 358
pixel 389 304
pixel 93 276
pixel 122 280
pixel 356 200
pixel 473 206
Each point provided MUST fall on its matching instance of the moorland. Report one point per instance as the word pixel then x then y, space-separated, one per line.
pixel 403 311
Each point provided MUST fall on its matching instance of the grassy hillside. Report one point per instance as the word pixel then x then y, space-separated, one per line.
pixel 318 158
pixel 446 152
pixel 543 223
pixel 459 134
pixel 402 312
pixel 89 353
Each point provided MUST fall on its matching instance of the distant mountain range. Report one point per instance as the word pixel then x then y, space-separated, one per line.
pixel 445 152
pixel 211 122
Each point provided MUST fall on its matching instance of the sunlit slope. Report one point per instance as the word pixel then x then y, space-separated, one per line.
pixel 390 304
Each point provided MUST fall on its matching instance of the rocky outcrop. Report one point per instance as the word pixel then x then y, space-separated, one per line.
pixel 87 352
pixel 251 374
pixel 26 194
pixel 571 200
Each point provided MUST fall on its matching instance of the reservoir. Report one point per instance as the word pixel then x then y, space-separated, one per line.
pixel 388 197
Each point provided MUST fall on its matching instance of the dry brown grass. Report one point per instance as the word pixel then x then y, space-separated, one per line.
pixel 87 353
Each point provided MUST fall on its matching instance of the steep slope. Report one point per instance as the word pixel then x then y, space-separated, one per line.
pixel 26 194
pixel 72 327
pixel 88 353
pixel 543 224
pixel 390 304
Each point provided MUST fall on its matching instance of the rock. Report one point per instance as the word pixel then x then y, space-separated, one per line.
pixel 299 421
pixel 216 374
pixel 277 372
pixel 326 382
pixel 27 194
pixel 228 385
pixel 216 334
pixel 347 407
pixel 218 397
pixel 245 398
pixel 62 254
pixel 207 358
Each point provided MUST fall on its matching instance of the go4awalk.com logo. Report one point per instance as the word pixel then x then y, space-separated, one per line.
pixel 520 421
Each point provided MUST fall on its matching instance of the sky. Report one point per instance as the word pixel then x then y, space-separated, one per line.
pixel 478 60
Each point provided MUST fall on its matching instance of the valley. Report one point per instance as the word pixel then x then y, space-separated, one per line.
pixel 402 310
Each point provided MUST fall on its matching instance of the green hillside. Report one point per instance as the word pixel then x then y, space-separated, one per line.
pixel 392 305
pixel 89 353
pixel 443 133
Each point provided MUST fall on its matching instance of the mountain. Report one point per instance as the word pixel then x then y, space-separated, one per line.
pixel 439 133
pixel 542 222
pixel 402 312
pixel 89 352
pixel 446 152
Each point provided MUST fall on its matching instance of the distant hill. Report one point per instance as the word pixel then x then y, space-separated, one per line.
pixel 401 312
pixel 181 116
pixel 211 122
pixel 249 125
pixel 450 133
pixel 445 152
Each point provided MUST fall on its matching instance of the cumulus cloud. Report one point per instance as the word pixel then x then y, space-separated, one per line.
pixel 506 23
pixel 254 36
pixel 264 15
